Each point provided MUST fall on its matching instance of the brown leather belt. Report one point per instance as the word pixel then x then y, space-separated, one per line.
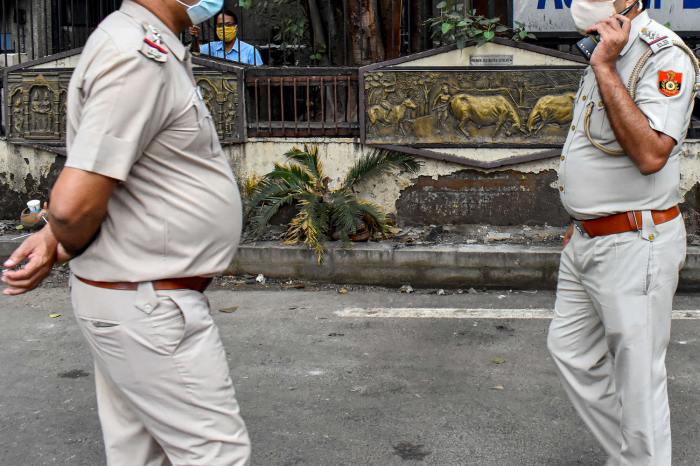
pixel 627 221
pixel 189 283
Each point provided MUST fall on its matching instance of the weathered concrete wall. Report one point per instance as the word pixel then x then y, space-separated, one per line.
pixel 442 193
pixel 65 62
pixel 25 173
pixel 451 193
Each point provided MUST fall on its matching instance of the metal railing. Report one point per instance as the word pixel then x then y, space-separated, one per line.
pixel 33 29
pixel 292 103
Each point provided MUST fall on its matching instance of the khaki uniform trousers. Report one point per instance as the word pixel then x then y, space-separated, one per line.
pixel 608 337
pixel 164 394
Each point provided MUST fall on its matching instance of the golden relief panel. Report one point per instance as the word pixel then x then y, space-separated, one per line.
pixel 36 105
pixel 525 107
pixel 219 90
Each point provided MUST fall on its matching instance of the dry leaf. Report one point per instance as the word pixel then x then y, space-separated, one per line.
pixel 497 387
pixel 499 361
pixel 53 316
pixel 228 310
pixel 342 291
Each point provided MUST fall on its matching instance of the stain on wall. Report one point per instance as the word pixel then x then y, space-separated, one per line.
pixel 25 173
pixel 504 198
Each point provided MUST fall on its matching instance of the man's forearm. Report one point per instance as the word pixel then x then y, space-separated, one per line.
pixel 631 127
pixel 75 236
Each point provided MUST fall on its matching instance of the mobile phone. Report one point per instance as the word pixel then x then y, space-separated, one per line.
pixel 588 44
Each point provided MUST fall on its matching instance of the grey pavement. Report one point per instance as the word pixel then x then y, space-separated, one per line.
pixel 317 389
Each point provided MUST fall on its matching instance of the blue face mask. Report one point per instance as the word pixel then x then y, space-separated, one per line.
pixel 203 10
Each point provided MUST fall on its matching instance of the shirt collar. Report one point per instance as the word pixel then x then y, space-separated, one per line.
pixel 220 46
pixel 144 15
pixel 638 23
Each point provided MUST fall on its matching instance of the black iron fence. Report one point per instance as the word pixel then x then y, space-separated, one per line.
pixel 308 32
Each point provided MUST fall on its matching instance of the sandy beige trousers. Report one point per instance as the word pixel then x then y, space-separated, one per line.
pixel 164 393
pixel 609 335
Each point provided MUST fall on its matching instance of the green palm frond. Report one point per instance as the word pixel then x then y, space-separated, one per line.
pixel 269 188
pixel 261 215
pixel 309 159
pixel 375 219
pixel 346 214
pixel 309 226
pixel 294 175
pixel 376 162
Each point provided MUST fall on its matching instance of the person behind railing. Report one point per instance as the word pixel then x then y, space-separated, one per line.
pixel 226 31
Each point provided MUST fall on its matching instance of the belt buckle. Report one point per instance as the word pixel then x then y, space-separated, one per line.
pixel 577 224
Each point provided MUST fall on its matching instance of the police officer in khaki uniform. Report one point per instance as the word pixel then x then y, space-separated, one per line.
pixel 619 179
pixel 147 208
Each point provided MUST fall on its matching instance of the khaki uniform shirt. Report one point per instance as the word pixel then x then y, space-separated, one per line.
pixel 135 115
pixel 595 184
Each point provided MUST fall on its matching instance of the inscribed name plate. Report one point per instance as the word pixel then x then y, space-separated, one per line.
pixel 491 60
pixel 530 107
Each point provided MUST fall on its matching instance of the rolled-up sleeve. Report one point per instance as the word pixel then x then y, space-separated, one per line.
pixel 120 113
pixel 668 114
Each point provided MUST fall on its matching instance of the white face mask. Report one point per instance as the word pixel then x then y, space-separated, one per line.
pixel 586 13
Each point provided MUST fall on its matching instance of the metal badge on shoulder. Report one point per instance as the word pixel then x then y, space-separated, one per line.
pixel 656 36
pixel 153 46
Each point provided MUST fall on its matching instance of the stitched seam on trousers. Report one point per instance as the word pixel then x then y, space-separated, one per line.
pixel 178 367
pixel 651 366
pixel 648 268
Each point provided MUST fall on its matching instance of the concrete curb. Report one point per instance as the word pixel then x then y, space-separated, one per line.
pixel 441 266
pixel 382 264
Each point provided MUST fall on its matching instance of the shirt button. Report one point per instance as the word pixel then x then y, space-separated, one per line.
pixel 600 104
pixel 584 97
pixel 148 308
pixel 651 237
pixel 561 188
pixel 573 128
pixel 562 157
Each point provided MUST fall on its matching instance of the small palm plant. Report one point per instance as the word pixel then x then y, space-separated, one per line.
pixel 322 213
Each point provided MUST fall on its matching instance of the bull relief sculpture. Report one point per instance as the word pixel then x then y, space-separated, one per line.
pixel 521 107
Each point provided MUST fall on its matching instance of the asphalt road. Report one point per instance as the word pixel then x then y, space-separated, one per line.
pixel 319 389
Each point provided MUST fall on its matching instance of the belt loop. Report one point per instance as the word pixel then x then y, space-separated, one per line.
pixel 649 230
pixel 632 219
pixel 146 298
pixel 586 228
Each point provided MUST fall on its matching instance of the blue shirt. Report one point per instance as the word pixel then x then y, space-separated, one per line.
pixel 249 54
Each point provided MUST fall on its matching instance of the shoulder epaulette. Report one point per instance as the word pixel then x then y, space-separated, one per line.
pixel 153 46
pixel 657 36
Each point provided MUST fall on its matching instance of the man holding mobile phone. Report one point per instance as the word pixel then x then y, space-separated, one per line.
pixel 619 179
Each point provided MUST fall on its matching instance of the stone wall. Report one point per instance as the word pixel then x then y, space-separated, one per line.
pixel 442 193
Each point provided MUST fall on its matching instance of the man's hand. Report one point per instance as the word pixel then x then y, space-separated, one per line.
pixel 613 39
pixel 567 235
pixel 43 251
pixel 194 31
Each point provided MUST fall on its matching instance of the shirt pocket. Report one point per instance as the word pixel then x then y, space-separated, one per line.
pixel 194 131
pixel 599 126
